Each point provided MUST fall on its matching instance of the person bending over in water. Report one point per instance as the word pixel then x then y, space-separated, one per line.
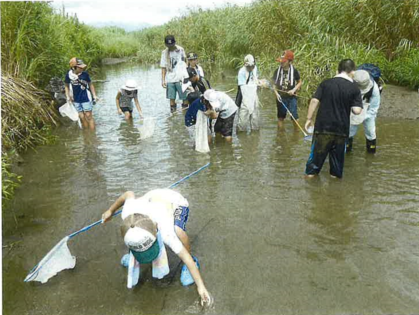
pixel 149 223
pixel 126 94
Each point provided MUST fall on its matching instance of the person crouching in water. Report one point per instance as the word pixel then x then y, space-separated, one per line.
pixel 125 97
pixel 371 101
pixel 247 98
pixel 287 80
pixel 78 81
pixel 149 223
pixel 220 106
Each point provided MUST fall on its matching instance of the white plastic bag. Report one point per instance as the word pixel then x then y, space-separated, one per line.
pixel 201 133
pixel 359 119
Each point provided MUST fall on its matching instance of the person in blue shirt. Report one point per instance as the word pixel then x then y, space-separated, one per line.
pixel 81 92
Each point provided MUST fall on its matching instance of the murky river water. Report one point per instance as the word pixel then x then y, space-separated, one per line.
pixel 269 241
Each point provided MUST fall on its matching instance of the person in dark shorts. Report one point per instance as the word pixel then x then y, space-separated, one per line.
pixel 149 224
pixel 125 97
pixel 223 108
pixel 338 97
pixel 287 80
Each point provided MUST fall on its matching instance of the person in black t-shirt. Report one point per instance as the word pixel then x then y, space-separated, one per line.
pixel 337 98
pixel 287 80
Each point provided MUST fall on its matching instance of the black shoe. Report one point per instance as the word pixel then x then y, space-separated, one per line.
pixel 371 145
pixel 185 106
pixel 172 108
pixel 349 142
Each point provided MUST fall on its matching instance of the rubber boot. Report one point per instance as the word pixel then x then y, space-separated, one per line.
pixel 349 142
pixel 371 145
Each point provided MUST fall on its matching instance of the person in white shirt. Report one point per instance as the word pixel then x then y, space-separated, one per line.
pixel 220 106
pixel 173 72
pixel 159 213
pixel 247 98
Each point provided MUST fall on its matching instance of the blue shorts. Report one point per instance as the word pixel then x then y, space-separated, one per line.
pixel 290 103
pixel 172 89
pixel 84 107
pixel 181 217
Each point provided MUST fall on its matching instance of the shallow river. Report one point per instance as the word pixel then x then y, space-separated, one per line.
pixel 269 241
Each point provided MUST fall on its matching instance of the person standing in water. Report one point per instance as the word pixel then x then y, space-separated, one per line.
pixel 125 97
pixel 173 71
pixel 80 91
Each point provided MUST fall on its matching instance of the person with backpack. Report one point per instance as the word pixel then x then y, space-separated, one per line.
pixel 287 81
pixel 338 97
pixel 247 98
pixel 371 102
pixel 125 97
pixel 80 91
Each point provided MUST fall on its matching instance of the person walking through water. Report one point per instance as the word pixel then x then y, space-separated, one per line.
pixel 371 99
pixel 173 71
pixel 149 223
pixel 125 97
pixel 80 91
pixel 247 98
pixel 338 97
pixel 287 80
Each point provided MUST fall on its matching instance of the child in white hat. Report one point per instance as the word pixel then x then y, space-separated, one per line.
pixel 124 99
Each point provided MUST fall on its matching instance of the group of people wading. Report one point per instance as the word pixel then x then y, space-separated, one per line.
pixel 159 217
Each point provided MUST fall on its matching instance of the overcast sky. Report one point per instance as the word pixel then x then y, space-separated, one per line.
pixel 134 14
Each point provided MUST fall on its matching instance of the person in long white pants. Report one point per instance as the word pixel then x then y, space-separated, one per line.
pixel 247 82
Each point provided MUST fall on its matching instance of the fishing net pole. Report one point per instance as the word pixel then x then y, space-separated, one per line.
pixel 60 257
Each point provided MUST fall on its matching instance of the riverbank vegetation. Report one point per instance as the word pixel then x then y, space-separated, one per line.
pixel 321 32
pixel 36 44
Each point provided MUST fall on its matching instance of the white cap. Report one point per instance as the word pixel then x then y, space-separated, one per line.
pixel 212 97
pixel 139 239
pixel 130 85
pixel 249 61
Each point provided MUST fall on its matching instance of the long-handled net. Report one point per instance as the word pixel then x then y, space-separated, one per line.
pixel 60 257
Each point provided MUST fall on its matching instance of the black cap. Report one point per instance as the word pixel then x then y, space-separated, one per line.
pixel 192 56
pixel 169 40
pixel 192 72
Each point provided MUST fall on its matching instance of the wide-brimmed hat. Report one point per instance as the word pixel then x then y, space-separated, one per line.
pixel 192 56
pixel 169 40
pixel 130 85
pixel 363 79
pixel 211 96
pixel 76 62
pixel 287 55
pixel 249 61
pixel 140 236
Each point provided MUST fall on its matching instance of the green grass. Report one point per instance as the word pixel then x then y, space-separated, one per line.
pixel 320 32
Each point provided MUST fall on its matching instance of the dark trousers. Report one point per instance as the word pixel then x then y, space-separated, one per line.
pixel 322 146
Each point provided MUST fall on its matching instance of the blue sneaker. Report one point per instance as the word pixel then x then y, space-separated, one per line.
pixel 185 276
pixel 125 260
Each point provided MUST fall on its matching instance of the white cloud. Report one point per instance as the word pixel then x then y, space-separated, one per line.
pixel 128 12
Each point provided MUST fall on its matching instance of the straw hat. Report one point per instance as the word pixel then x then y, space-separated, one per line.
pixel 363 79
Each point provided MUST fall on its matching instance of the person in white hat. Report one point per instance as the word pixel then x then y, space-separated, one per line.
pixel 125 97
pixel 220 106
pixel 246 97
pixel 149 223
pixel 371 100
